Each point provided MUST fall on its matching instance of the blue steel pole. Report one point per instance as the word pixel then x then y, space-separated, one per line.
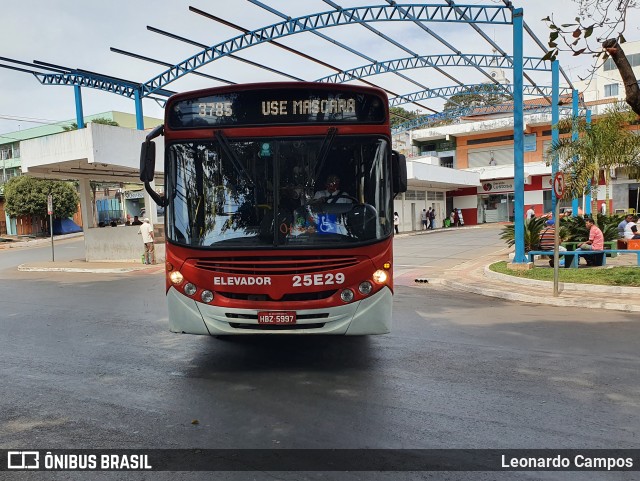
pixel 587 199
pixel 518 136
pixel 555 118
pixel 139 115
pixel 79 114
pixel 574 136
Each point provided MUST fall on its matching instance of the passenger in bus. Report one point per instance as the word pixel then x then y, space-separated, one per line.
pixel 332 193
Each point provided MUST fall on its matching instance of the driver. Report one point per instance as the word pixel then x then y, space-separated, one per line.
pixel 332 193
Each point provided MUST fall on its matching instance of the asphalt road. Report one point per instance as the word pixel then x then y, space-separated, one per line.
pixel 87 361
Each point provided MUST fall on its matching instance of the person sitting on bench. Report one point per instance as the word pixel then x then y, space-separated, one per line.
pixel 594 243
pixel 547 241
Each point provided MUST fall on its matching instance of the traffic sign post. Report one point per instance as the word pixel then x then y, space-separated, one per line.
pixel 50 212
pixel 558 190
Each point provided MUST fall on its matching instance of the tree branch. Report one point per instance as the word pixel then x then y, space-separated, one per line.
pixel 632 91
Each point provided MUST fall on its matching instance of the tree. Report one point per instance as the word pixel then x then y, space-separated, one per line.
pixel 26 195
pixel 399 116
pixel 608 20
pixel 601 146
pixel 99 120
pixel 483 95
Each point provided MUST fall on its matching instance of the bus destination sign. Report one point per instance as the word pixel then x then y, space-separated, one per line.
pixel 277 107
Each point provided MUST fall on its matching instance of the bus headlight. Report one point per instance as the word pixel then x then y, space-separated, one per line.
pixel 365 288
pixel 190 289
pixel 206 296
pixel 347 295
pixel 380 276
pixel 176 277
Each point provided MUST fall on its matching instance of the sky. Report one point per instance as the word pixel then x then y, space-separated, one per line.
pixel 79 34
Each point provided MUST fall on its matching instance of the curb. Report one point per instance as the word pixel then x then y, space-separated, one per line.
pixel 439 229
pixel 552 301
pixel 97 270
pixel 565 286
pixel 12 244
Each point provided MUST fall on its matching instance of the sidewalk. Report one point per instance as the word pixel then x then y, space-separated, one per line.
pixel 80 265
pixel 475 277
pixel 12 242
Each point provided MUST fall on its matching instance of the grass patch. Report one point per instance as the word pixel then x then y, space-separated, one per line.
pixel 614 276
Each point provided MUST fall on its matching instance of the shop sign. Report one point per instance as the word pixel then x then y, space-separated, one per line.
pixel 547 182
pixel 492 186
pixel 447 153
pixel 134 194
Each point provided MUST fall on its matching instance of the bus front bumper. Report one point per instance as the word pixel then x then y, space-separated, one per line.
pixel 372 315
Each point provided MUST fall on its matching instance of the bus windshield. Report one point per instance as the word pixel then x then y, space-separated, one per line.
pixel 322 191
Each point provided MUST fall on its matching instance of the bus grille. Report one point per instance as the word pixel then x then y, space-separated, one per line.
pixel 276 265
pixel 292 297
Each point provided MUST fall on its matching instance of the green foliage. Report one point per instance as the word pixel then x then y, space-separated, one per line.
pixel 601 146
pixel 478 96
pixel 572 229
pixel 532 230
pixel 26 195
pixel 99 120
pixel 398 115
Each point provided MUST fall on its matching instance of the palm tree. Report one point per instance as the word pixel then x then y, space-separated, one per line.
pixel 600 147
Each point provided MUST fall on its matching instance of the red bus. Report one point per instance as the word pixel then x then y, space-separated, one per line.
pixel 278 209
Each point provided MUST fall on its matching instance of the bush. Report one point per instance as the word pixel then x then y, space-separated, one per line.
pixel 572 229
pixel 532 229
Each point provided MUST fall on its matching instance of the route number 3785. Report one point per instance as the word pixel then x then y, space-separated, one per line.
pixel 318 279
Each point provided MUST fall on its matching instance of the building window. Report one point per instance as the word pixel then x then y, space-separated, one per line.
pixel 446 162
pixel 634 61
pixel 611 90
pixel 608 64
pixel 414 195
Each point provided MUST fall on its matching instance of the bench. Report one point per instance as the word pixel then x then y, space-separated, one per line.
pixel 575 254
pixel 608 245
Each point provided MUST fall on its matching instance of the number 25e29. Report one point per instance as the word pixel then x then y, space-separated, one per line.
pixel 327 279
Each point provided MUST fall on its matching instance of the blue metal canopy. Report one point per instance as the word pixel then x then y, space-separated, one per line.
pixel 417 14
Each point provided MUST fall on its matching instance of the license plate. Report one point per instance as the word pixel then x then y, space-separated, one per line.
pixel 276 317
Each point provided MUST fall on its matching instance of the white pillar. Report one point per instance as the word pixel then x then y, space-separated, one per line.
pixel 150 207
pixel 85 205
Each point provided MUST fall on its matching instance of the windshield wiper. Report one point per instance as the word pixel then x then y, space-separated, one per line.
pixel 323 152
pixel 237 165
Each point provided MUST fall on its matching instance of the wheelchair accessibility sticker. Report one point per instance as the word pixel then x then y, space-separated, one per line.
pixel 327 224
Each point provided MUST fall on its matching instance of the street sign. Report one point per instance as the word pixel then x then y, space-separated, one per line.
pixel 49 204
pixel 558 185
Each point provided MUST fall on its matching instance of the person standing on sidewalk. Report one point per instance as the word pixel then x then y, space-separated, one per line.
pixel 424 218
pixel 531 213
pixel 396 222
pixel 432 218
pixel 146 231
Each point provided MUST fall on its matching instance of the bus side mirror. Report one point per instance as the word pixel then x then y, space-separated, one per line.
pixel 147 160
pixel 399 169
pixel 148 164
